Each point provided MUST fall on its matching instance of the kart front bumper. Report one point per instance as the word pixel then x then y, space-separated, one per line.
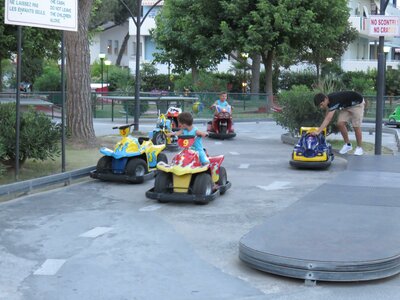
pixel 221 136
pixel 310 164
pixel 185 197
pixel 122 177
pixel 397 124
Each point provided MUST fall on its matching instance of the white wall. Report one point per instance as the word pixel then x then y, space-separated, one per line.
pixel 116 33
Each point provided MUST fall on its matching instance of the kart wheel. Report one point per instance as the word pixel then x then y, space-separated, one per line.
pixel 202 185
pixel 223 178
pixel 136 167
pixel 162 182
pixel 104 164
pixel 174 123
pixel 159 138
pixel 162 157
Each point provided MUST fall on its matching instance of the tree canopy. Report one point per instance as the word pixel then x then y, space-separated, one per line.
pixel 37 44
pixel 188 33
pixel 197 34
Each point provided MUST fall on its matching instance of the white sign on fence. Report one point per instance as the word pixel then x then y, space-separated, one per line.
pixel 53 14
pixel 151 2
pixel 384 25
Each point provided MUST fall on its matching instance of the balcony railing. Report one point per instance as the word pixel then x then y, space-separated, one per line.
pixel 366 64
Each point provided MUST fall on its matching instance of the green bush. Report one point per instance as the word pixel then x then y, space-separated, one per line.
pixel 129 107
pixel 392 81
pixel 298 109
pixel 50 80
pixel 208 82
pixel 289 79
pixel 39 137
pixel 2 153
pixel 362 82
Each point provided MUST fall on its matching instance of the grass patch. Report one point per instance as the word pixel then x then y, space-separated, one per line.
pixel 369 148
pixel 75 158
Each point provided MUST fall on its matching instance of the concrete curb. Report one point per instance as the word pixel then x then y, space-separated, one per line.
pixel 27 186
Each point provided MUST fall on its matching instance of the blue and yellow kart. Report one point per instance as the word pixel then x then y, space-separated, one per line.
pixel 312 151
pixel 133 160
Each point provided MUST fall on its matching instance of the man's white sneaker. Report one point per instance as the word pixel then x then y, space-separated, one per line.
pixel 359 151
pixel 346 148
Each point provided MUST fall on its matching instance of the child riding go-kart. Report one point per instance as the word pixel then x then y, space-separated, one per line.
pixel 186 179
pixel 312 151
pixel 221 127
pixel 166 123
pixel 132 160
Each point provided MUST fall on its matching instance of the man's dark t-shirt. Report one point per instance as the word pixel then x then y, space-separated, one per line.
pixel 340 100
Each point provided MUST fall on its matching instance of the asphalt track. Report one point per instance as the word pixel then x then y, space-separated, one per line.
pixel 100 240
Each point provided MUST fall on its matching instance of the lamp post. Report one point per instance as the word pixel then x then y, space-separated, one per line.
pixel 102 56
pixel 138 23
pixel 244 82
pixel 107 63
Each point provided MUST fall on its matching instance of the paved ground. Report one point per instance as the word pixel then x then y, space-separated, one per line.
pixel 98 240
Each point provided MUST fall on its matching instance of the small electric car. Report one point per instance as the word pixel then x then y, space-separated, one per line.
pixel 312 151
pixel 187 180
pixel 221 127
pixel 166 123
pixel 133 160
pixel 394 118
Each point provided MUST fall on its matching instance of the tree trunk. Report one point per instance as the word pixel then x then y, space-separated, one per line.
pixel 1 76
pixel 255 73
pixel 267 59
pixel 195 75
pixel 122 50
pixel 79 108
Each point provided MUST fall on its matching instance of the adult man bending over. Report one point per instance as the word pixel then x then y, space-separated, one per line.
pixel 351 108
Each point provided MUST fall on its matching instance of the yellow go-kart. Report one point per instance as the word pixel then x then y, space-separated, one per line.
pixel 187 180
pixel 133 159
pixel 312 151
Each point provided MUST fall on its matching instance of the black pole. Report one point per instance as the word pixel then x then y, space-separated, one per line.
pixel 380 102
pixel 102 80
pixel 62 104
pixel 380 87
pixel 17 103
pixel 138 24
pixel 137 71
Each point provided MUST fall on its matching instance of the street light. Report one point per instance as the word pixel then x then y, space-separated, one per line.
pixel 102 56
pixel 244 83
pixel 107 63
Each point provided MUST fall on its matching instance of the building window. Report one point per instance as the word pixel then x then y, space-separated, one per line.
pixel 109 47
pixel 134 49
pixel 116 47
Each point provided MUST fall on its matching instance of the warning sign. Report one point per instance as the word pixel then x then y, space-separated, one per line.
pixel 384 25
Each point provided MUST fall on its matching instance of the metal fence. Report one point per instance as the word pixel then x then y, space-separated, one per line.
pixel 107 104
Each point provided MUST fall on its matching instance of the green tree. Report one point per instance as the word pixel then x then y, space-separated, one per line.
pixel 37 44
pixel 328 41
pixel 50 78
pixel 79 109
pixel 274 27
pixel 187 35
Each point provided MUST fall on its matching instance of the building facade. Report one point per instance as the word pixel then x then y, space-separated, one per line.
pixel 361 54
